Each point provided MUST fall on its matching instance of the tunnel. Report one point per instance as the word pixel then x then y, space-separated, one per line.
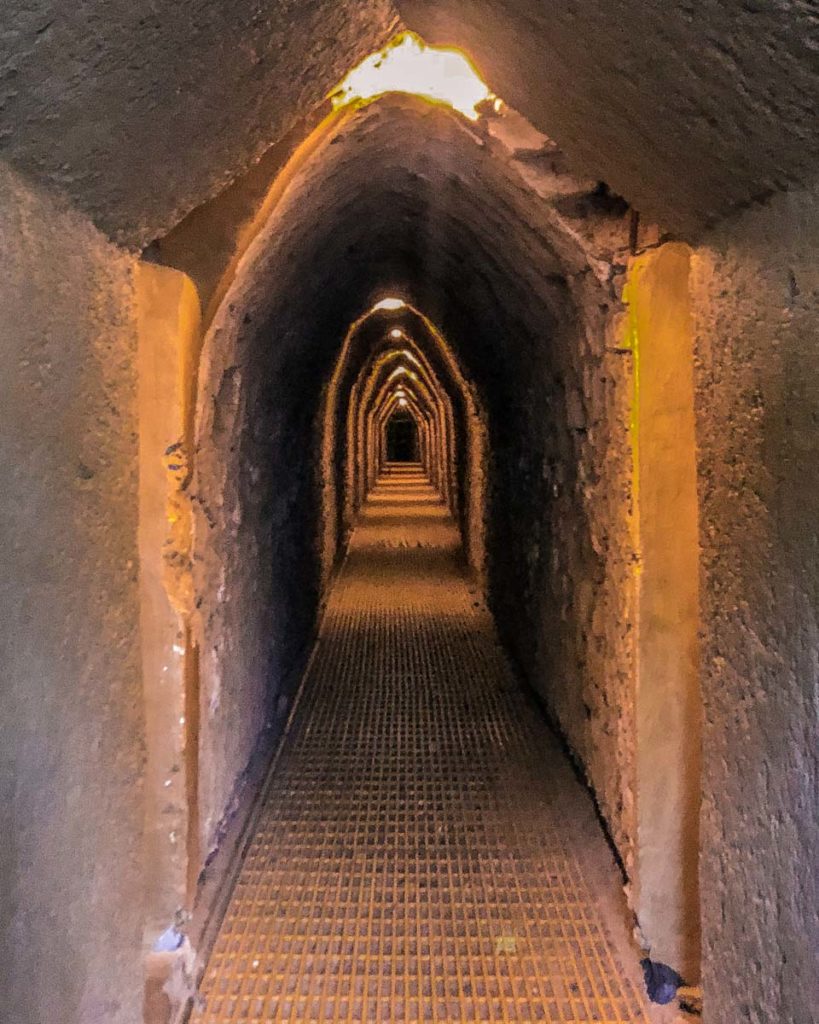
pixel 401 436
pixel 409 434
pixel 459 303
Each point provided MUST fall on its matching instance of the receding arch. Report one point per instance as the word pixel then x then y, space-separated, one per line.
pixel 411 354
pixel 438 414
pixel 349 468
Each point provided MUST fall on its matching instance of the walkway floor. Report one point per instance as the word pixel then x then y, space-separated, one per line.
pixel 423 853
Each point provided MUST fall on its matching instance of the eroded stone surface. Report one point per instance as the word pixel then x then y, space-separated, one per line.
pixel 141 111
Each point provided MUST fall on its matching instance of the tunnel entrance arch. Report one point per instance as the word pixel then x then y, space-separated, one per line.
pixel 542 416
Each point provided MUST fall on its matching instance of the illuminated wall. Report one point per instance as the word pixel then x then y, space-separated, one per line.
pixel 668 700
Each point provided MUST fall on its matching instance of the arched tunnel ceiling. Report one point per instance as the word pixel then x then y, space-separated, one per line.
pixel 427 225
pixel 140 110
pixel 399 198
pixel 374 355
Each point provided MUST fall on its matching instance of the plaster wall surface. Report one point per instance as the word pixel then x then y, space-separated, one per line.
pixel 139 111
pixel 755 288
pixel 71 731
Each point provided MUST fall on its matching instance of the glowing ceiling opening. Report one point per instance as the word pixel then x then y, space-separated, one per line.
pixel 388 303
pixel 408 65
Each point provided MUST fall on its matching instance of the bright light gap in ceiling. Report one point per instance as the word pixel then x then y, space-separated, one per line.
pixel 408 65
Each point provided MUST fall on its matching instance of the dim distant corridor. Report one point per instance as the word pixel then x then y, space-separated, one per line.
pixel 423 851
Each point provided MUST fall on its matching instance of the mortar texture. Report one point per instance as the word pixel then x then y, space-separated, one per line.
pixel 71 732
pixel 755 289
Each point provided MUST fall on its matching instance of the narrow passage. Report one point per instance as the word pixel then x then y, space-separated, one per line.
pixel 423 852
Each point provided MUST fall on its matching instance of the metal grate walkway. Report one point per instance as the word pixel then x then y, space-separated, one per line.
pixel 423 853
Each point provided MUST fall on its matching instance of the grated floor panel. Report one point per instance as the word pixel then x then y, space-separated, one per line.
pixel 423 852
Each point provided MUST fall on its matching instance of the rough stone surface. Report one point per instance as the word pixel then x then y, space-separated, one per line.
pixel 140 111
pixel 71 739
pixel 687 109
pixel 756 295
pixel 167 312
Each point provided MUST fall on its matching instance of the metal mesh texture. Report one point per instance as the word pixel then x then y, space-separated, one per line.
pixel 423 852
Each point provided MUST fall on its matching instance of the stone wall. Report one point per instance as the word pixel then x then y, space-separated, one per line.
pixel 71 731
pixel 756 292
pixel 688 110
